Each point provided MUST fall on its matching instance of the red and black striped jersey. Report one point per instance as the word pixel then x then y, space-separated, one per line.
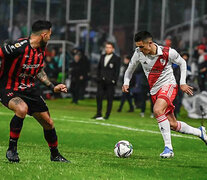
pixel 20 65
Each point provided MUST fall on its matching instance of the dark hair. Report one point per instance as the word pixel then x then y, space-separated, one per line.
pixel 185 54
pixel 109 42
pixel 142 35
pixel 41 25
pixel 127 56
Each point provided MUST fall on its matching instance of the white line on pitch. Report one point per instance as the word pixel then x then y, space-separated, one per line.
pixel 72 119
pixel 119 126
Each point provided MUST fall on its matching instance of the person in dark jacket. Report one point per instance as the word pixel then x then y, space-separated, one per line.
pixel 107 76
pixel 127 96
pixel 176 71
pixel 77 76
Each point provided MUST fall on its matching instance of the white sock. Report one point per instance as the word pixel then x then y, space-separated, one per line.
pixel 164 126
pixel 186 129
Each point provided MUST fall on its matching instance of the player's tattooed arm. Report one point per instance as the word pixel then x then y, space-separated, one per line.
pixel 42 76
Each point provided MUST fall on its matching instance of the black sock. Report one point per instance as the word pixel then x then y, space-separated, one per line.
pixel 51 138
pixel 15 129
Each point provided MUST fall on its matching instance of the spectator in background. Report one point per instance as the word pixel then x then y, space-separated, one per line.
pixel 202 67
pixel 168 42
pixel 16 32
pixel 107 76
pixel 51 69
pixel 137 90
pixel 77 70
pixel 145 93
pixel 86 71
pixel 176 71
pixel 127 96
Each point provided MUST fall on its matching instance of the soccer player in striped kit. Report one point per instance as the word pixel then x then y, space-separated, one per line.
pixel 157 65
pixel 22 64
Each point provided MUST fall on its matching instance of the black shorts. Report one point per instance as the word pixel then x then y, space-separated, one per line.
pixel 35 103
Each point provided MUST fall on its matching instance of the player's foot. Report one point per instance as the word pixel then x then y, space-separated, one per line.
pixel 59 158
pixel 167 153
pixel 142 114
pixel 119 110
pixel 12 155
pixel 96 116
pixel 203 134
pixel 152 116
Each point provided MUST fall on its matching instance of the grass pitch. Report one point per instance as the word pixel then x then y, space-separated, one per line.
pixel 89 144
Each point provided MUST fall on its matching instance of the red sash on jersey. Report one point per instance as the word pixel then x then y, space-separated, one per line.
pixel 158 67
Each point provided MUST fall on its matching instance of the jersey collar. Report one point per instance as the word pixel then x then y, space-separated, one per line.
pixel 159 50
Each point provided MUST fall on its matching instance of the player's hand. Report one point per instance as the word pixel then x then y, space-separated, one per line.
pixel 187 89
pixel 125 88
pixel 60 88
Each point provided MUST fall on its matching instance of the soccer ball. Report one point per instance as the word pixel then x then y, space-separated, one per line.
pixel 123 149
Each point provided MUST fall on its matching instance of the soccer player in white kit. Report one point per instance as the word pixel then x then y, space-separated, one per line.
pixel 157 64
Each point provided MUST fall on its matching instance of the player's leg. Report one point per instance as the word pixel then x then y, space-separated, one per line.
pixel 123 99
pixel 110 97
pixel 20 109
pixel 184 128
pixel 164 126
pixel 99 99
pixel 50 135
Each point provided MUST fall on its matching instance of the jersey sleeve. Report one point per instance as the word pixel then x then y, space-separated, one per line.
pixel 175 57
pixel 131 68
pixel 12 50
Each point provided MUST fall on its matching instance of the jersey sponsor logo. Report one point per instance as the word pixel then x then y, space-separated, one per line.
pixel 26 56
pixel 30 66
pixel 23 75
pixel 23 42
pixel 17 45
pixel 24 86
pixel 162 61
pixel 154 71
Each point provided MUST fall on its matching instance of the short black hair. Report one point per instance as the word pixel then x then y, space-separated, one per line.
pixel 142 35
pixel 111 43
pixel 127 56
pixel 185 54
pixel 41 25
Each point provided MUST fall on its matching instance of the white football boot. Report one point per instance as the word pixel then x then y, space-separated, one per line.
pixel 167 153
pixel 203 134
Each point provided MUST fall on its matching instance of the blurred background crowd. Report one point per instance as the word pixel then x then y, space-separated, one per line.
pixel 81 28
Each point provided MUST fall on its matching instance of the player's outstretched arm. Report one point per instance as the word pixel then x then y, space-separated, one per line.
pixel 42 76
pixel 186 89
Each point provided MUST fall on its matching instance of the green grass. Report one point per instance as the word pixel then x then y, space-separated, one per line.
pixel 89 144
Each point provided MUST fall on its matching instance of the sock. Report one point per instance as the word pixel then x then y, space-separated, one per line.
pixel 15 129
pixel 51 138
pixel 164 126
pixel 182 127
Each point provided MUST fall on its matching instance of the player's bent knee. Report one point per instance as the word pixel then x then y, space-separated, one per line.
pixel 50 123
pixel 21 110
pixel 158 111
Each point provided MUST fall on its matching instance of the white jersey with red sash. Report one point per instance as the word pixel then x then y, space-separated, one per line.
pixel 157 68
